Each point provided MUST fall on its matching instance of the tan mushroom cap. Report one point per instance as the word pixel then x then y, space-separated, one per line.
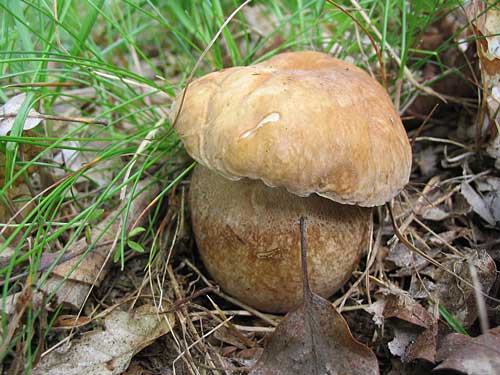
pixel 301 120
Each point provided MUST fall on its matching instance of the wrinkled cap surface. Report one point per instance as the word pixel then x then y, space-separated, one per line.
pixel 301 120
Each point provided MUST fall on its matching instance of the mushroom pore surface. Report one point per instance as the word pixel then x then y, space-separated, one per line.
pixel 249 239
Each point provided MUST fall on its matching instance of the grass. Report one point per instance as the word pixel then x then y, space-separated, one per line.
pixel 123 62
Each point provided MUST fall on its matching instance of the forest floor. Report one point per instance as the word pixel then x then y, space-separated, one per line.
pixel 99 269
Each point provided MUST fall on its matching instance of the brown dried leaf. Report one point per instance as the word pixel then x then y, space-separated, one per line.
pixel 314 339
pixel 264 25
pixel 420 287
pixel 471 355
pixel 486 20
pixel 415 328
pixel 228 336
pixel 434 214
pixel 425 345
pixel 110 351
pixel 457 297
pixel 87 270
pixel 405 308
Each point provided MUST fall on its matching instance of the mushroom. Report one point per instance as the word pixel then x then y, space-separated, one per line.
pixel 299 134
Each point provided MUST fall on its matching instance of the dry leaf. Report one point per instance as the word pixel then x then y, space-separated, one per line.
pixel 415 328
pixel 12 107
pixel 229 336
pixel 405 308
pixel 471 355
pixel 490 189
pixel 420 287
pixel 457 297
pixel 377 310
pixel 425 345
pixel 314 339
pixel 477 203
pixel 455 60
pixel 434 213
pixel 73 159
pixel 403 338
pixel 264 24
pixel 110 351
pixel 407 261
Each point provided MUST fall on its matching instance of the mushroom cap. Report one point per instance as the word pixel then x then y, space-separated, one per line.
pixel 248 237
pixel 303 121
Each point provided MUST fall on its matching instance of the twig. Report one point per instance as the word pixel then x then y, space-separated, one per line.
pixel 182 302
pixel 43 84
pixel 422 126
pixel 83 120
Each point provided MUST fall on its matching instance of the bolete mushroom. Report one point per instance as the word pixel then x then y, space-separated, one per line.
pixel 299 134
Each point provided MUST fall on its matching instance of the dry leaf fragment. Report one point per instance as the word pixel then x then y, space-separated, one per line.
pixel 407 309
pixel 490 189
pixel 457 297
pixel 377 310
pixel 12 107
pixel 314 339
pixel 471 355
pixel 110 351
pixel 477 203
pixel 403 338
pixel 434 214
pixel 425 345
pixel 415 328
pixel 407 261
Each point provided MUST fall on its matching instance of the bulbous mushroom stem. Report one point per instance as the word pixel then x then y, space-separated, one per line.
pixel 249 240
